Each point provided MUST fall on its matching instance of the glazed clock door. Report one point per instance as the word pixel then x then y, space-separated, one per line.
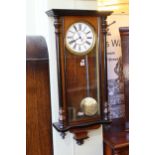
pixel 81 57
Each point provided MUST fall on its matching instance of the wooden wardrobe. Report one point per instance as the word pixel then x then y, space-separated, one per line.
pixel 38 104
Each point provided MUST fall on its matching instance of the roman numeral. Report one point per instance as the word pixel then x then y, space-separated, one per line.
pixel 85 46
pixel 80 27
pixel 89 37
pixel 84 28
pixel 75 28
pixel 87 42
pixel 88 32
pixel 71 32
pixel 79 48
pixel 75 46
pixel 69 37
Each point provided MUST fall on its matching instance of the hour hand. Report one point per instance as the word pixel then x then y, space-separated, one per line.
pixel 72 41
pixel 79 36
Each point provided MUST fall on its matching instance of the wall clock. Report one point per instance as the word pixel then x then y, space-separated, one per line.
pixel 82 71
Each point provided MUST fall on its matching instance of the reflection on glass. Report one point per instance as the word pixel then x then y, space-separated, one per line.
pixel 82 85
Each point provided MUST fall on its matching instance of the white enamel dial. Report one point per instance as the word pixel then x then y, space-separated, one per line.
pixel 80 38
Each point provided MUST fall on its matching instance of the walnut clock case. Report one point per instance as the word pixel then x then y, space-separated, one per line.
pixel 82 70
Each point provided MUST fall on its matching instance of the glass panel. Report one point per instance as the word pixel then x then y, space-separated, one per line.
pixel 82 85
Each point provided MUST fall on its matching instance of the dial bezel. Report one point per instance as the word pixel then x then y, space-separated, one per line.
pixel 93 43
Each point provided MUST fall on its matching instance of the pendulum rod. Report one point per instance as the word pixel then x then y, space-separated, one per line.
pixel 87 76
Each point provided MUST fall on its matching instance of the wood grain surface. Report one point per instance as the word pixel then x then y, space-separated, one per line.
pixel 38 105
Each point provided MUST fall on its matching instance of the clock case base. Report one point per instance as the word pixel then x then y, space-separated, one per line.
pixel 80 131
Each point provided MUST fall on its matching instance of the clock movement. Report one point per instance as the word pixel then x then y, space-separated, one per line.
pixel 82 70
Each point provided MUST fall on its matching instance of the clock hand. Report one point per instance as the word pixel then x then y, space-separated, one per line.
pixel 79 36
pixel 72 41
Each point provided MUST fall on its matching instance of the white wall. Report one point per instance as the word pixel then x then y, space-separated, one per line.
pixel 39 24
pixel 30 17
